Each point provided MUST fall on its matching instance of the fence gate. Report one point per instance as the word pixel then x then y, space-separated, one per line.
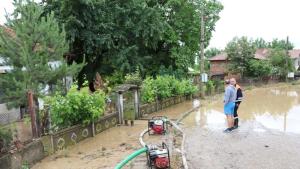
pixel 128 102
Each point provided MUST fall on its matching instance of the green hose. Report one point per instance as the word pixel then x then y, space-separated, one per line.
pixel 130 157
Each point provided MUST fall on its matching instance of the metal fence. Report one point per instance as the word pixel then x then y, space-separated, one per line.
pixel 8 116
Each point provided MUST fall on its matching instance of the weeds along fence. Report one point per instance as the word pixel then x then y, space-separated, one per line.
pixel 54 140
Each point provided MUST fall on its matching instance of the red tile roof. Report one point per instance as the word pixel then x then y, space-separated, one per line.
pixel 219 57
pixel 261 54
pixel 295 53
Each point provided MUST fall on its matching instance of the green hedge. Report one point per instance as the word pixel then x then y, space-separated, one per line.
pixel 77 107
pixel 164 87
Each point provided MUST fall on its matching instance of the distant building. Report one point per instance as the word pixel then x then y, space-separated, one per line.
pixel 295 56
pixel 219 63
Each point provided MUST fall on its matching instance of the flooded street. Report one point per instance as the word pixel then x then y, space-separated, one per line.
pixel 268 136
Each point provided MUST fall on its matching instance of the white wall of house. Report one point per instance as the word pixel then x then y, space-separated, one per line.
pixel 297 63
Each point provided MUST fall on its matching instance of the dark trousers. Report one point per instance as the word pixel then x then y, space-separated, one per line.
pixel 235 114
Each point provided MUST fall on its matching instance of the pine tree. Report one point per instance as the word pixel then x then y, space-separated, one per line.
pixel 34 49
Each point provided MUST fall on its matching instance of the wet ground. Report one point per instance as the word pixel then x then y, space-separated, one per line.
pixel 268 136
pixel 108 148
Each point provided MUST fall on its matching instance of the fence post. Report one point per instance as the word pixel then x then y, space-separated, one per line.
pixel 136 104
pixel 93 128
pixel 120 107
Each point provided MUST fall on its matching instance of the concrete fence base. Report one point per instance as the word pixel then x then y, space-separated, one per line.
pixel 30 154
pixel 72 135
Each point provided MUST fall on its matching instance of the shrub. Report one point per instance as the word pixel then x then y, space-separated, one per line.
pixel 189 88
pixel 5 139
pixel 210 87
pixel 148 93
pixel 164 87
pixel 178 87
pixel 258 68
pixel 215 85
pixel 115 79
pixel 134 78
pixel 76 108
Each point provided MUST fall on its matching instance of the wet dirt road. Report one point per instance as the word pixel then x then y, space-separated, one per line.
pixel 108 148
pixel 268 137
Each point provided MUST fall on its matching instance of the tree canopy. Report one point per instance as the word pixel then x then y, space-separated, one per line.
pixel 240 52
pixel 118 36
pixel 211 52
pixel 274 44
pixel 281 63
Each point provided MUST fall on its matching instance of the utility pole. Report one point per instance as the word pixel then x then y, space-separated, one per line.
pixel 287 55
pixel 201 56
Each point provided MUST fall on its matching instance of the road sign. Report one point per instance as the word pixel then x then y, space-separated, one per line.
pixel 204 77
pixel 291 75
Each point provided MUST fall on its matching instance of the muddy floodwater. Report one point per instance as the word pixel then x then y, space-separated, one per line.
pixel 268 136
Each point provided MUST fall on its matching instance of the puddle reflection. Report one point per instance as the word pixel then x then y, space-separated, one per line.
pixel 277 108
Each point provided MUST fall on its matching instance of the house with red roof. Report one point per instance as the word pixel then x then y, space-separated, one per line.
pixel 219 63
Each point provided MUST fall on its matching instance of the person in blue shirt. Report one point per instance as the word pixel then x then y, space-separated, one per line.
pixel 229 103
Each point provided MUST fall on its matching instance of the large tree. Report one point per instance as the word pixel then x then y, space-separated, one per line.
pixel 281 62
pixel 240 52
pixel 34 48
pixel 110 35
pixel 122 35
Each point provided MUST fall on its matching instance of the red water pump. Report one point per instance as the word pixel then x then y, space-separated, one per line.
pixel 158 157
pixel 157 125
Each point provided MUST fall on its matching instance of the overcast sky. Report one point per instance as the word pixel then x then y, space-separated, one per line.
pixel 268 19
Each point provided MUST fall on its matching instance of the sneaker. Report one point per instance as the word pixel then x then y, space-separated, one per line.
pixel 228 130
pixel 235 127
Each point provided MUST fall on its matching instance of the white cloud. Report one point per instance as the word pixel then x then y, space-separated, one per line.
pixel 268 19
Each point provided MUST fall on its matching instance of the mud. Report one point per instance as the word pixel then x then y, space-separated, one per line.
pixel 268 136
pixel 173 112
pixel 108 148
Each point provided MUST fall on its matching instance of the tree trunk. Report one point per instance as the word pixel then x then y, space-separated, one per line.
pixel 32 112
